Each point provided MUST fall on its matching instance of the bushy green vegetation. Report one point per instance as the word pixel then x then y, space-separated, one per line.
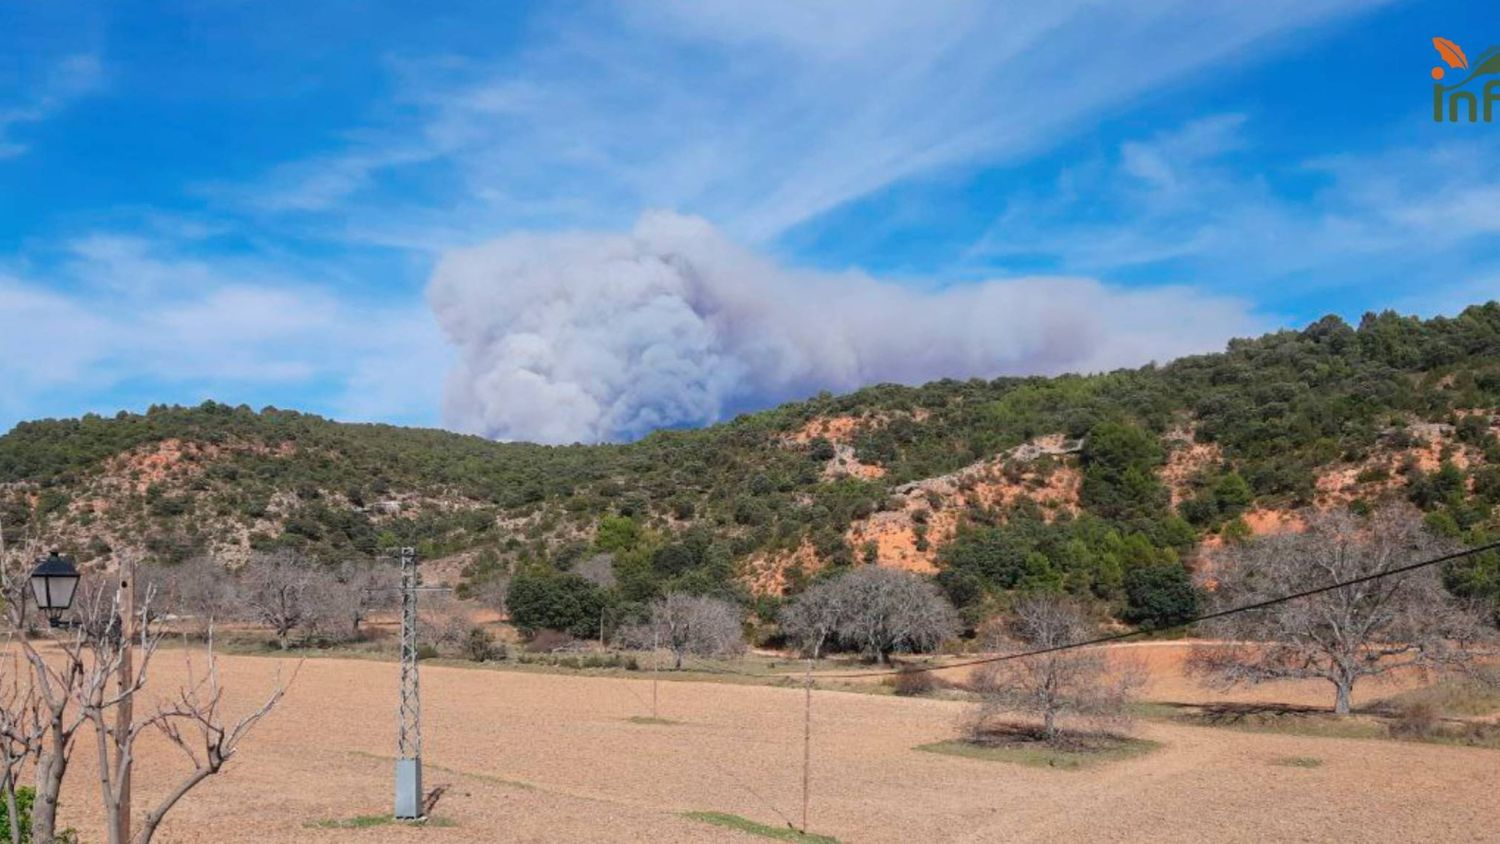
pixel 25 797
pixel 543 599
pixel 1137 571
pixel 683 510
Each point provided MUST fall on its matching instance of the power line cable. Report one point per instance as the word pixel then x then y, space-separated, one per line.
pixel 1115 637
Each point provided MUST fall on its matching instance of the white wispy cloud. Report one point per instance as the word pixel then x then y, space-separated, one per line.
pixel 70 78
pixel 1180 198
pixel 758 116
pixel 121 309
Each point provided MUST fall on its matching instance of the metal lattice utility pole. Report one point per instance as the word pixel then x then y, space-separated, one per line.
pixel 409 735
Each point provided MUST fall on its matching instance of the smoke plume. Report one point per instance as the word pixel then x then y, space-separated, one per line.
pixel 591 337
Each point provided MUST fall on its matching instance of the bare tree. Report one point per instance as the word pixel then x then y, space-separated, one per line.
pixel 112 655
pixel 598 569
pixel 45 716
pixel 492 591
pixel 362 588
pixel 1082 683
pixel 876 611
pixel 334 603
pixel 693 625
pixel 814 620
pixel 194 723
pixel 54 688
pixel 87 674
pixel 200 591
pixel 445 625
pixel 1407 621
pixel 811 622
pixel 281 590
pixel 92 672
pixel 21 732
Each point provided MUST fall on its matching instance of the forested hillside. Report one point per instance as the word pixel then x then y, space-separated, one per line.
pixel 1105 485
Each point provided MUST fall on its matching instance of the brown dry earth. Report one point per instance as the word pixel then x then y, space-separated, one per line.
pixel 541 758
pixel 1167 680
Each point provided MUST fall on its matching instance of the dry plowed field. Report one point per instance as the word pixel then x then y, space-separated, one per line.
pixel 540 757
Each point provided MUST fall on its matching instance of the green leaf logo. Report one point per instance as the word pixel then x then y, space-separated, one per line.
pixel 1488 64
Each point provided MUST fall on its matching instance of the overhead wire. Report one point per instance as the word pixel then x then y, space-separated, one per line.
pixel 1129 634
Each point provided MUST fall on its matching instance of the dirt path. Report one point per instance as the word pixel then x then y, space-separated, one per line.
pixel 537 757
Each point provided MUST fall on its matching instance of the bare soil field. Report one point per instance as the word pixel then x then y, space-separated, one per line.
pixel 1169 682
pixel 533 757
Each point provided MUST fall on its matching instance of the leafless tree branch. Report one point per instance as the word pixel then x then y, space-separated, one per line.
pixel 1405 622
pixel 194 723
pixel 876 611
pixel 1085 684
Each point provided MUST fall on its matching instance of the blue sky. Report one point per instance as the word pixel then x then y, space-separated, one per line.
pixel 585 220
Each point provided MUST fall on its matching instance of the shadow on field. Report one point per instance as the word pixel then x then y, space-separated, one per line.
pixel 1246 714
pixel 1027 744
pixel 1419 720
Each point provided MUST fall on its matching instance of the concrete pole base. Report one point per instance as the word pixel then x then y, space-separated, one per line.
pixel 408 789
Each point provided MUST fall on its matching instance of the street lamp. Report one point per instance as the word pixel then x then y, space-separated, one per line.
pixel 53 582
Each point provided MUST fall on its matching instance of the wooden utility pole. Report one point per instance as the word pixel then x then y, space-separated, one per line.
pixel 806 750
pixel 807 687
pixel 125 715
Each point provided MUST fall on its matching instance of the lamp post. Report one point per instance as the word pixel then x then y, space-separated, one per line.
pixel 53 584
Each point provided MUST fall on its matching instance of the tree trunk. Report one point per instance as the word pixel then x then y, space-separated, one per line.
pixel 1343 687
pixel 12 812
pixel 679 660
pixel 106 782
pixel 49 777
pixel 1049 724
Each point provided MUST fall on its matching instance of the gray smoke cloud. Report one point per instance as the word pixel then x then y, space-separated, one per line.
pixel 590 337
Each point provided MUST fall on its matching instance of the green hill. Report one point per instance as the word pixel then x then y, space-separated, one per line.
pixel 1170 456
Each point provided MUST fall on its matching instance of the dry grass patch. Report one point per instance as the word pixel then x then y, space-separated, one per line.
pixel 1460 697
pixel 913 682
pixel 369 821
pixel 1025 745
pixel 1418 720
pixel 1299 762
pixel 1280 718
pixel 655 722
pixel 779 833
